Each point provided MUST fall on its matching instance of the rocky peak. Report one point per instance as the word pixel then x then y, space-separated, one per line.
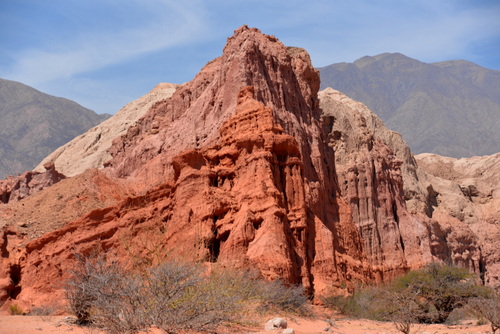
pixel 283 78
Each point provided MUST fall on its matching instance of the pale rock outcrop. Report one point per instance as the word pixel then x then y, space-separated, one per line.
pixel 13 189
pixel 453 203
pixel 361 116
pixel 90 150
pixel 371 176
pixel 467 200
pixel 275 323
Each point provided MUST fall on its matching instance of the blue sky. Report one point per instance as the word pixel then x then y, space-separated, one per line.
pixel 106 53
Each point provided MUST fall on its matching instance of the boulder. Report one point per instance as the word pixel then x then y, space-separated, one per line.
pixel 275 323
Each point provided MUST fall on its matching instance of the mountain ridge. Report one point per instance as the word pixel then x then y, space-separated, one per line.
pixel 447 108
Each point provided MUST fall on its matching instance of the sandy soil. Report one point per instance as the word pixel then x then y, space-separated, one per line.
pixel 63 324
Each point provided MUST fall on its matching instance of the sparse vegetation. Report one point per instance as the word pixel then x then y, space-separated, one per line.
pixel 172 296
pixel 43 311
pixel 440 289
pixel 15 309
pixel 428 295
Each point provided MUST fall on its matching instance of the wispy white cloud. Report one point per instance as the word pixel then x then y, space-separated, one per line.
pixel 168 23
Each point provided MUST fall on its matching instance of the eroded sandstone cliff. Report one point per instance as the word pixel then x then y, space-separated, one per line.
pixel 467 204
pixel 234 166
pixel 449 211
pixel 371 180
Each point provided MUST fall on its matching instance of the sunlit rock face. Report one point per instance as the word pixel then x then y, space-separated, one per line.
pixel 242 167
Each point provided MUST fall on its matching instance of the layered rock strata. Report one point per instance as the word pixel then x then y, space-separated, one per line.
pixel 371 181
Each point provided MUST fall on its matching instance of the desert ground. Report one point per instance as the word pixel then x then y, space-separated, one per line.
pixel 335 324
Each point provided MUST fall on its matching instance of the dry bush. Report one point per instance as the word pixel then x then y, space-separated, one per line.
pixel 45 312
pixel 366 303
pixel 180 297
pixel 404 310
pixel 276 295
pixel 173 296
pixel 488 308
pixel 100 293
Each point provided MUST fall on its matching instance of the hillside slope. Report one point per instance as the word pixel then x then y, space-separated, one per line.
pixel 90 149
pixel 33 124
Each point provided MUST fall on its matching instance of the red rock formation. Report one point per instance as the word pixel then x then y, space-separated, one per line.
pixel 35 217
pixel 234 168
pixel 10 269
pixel 238 175
pixel 13 189
pixel 240 202
pixel 283 79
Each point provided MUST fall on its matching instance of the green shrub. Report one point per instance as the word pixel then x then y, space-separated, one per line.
pixel 440 289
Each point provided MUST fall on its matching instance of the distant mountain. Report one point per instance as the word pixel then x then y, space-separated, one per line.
pixel 33 124
pixel 450 108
